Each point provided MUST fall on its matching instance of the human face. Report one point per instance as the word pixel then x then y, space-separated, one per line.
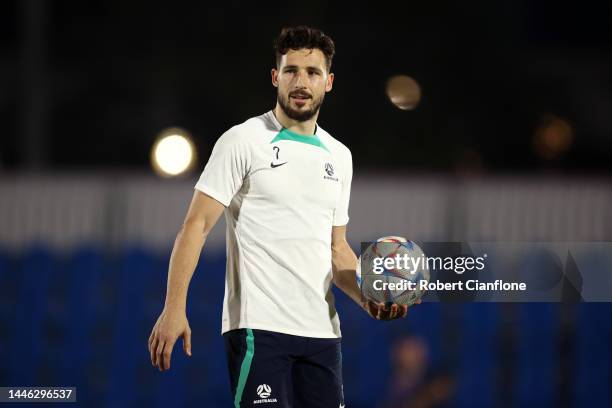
pixel 302 81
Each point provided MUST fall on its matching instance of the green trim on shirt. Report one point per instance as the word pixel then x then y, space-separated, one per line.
pixel 286 134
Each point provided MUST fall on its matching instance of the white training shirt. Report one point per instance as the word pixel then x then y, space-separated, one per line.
pixel 283 192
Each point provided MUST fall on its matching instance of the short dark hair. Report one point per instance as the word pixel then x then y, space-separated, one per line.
pixel 299 37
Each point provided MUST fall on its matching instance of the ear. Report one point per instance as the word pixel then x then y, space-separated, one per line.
pixel 330 82
pixel 274 73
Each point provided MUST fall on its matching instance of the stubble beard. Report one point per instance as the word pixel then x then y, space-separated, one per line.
pixel 299 115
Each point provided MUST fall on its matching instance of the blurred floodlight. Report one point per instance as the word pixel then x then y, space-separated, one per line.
pixel 553 137
pixel 404 92
pixel 173 153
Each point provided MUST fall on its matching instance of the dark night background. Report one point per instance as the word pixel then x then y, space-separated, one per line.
pixel 517 93
pixel 91 84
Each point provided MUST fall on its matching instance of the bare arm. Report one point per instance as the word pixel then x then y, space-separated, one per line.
pixel 172 323
pixel 201 217
pixel 344 265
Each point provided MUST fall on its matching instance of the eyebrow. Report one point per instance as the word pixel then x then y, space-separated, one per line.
pixel 309 67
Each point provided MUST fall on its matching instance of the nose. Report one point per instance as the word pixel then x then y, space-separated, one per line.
pixel 300 79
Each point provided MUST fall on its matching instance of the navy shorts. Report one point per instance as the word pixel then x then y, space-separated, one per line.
pixel 269 369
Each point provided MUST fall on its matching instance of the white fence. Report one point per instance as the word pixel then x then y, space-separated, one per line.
pixel 120 209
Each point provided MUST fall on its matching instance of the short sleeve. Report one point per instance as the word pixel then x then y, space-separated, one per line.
pixel 341 216
pixel 226 169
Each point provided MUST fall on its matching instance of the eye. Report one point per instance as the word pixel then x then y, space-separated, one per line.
pixel 314 73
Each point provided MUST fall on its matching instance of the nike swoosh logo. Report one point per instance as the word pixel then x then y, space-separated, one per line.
pixel 275 165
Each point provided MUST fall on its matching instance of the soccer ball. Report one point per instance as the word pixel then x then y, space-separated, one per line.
pixel 392 270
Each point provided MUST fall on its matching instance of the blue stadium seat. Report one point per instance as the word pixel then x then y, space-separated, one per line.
pixel 103 316
pixel 84 270
pixel 132 379
pixel 352 320
pixel 426 321
pixel 374 361
pixel 593 357
pixel 477 375
pixel 210 380
pixel 7 303
pixel 4 263
pixel 537 355
pixel 209 277
pixel 36 269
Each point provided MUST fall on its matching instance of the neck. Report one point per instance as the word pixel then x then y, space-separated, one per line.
pixel 306 127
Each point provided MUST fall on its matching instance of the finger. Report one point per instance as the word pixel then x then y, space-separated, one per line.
pixel 187 342
pixel 158 354
pixel 379 311
pixel 402 312
pixel 372 309
pixel 152 348
pixel 167 355
pixel 151 339
pixel 393 312
pixel 418 302
pixel 386 311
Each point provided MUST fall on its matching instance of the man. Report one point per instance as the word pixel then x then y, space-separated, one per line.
pixel 284 184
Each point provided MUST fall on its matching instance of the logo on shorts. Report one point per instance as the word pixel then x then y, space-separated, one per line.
pixel 264 391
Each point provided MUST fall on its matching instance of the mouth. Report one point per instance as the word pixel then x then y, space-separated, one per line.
pixel 300 99
pixel 300 96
